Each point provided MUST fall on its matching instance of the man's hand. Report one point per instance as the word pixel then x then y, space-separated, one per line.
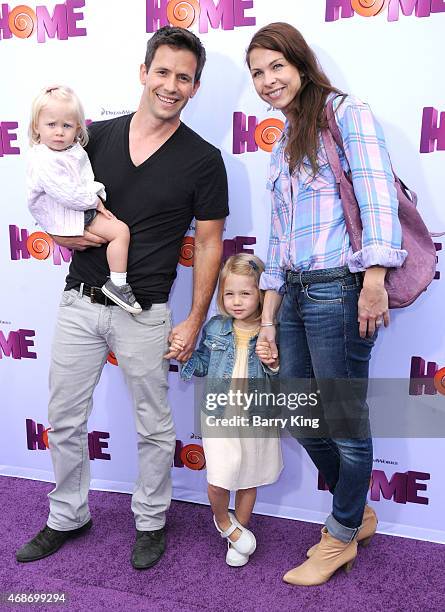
pixel 79 243
pixel 176 346
pixel 182 340
pixel 207 260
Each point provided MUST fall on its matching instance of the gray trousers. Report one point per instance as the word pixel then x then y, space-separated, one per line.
pixel 85 333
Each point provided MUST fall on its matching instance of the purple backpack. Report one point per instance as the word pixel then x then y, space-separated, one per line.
pixel 405 284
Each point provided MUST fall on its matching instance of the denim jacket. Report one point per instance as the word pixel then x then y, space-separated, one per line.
pixel 215 358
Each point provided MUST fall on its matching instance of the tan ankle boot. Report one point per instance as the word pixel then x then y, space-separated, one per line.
pixel 328 557
pixel 364 536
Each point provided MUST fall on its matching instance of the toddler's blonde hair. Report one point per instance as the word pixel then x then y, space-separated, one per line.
pixel 64 94
pixel 243 264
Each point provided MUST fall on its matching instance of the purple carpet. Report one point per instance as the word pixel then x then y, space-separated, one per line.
pixel 94 571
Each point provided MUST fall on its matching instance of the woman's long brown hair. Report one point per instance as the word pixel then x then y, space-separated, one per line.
pixel 306 116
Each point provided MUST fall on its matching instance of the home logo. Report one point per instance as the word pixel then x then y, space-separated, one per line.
pixel 6 137
pixel 231 246
pixel 187 251
pixel 225 14
pixel 263 135
pixel 237 245
pixel 17 344
pixel 433 134
pixel 38 245
pixel 22 21
pixel 190 456
pixel 370 8
pixel 402 487
pixel 427 381
pixel 37 439
pixel 112 359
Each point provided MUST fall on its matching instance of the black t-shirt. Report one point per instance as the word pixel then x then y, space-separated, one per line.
pixel 184 179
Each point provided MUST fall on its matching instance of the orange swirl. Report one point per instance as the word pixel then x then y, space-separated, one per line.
pixel 187 251
pixel 112 358
pixel 267 133
pixel 182 13
pixel 192 456
pixel 21 21
pixel 368 8
pixel 45 437
pixel 439 381
pixel 40 245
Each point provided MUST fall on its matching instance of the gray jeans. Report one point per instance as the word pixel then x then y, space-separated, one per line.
pixel 85 333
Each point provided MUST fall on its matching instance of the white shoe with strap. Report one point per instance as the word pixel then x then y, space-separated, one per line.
pixel 245 544
pixel 234 558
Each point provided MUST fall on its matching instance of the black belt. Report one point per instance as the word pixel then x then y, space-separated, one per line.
pixel 320 276
pixel 97 297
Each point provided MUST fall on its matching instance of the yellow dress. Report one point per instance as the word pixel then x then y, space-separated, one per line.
pixel 244 458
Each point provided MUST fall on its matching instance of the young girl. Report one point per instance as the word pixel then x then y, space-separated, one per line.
pixel 227 351
pixel 332 300
pixel 63 196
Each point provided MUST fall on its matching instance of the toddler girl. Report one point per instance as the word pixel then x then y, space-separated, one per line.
pixel 235 462
pixel 63 196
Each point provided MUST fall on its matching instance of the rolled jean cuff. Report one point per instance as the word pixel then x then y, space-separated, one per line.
pixel 339 531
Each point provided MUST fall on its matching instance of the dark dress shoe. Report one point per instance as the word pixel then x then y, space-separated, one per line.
pixel 47 542
pixel 148 548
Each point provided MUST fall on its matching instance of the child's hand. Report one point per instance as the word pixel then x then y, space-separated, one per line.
pixel 101 208
pixel 264 352
pixel 176 346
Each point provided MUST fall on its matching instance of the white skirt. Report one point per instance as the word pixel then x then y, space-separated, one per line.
pixel 240 455
pixel 241 462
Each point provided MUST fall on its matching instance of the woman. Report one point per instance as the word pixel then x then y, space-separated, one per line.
pixel 330 310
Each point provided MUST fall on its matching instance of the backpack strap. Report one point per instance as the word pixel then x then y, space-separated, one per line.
pixel 351 209
pixel 335 131
pixel 332 124
pixel 331 135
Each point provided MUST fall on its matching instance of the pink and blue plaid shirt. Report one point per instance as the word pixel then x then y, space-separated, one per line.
pixel 308 230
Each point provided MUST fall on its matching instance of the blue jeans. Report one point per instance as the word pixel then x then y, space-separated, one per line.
pixel 319 337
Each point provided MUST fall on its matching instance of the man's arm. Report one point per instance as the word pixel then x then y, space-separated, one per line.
pixel 207 261
pixel 79 243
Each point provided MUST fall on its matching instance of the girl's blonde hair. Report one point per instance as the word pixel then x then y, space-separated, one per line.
pixel 243 264
pixel 64 94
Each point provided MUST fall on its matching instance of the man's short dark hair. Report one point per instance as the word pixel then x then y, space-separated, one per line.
pixel 179 38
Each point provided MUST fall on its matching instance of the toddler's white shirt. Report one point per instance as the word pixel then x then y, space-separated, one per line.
pixel 60 188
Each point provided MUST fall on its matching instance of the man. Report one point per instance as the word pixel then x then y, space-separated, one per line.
pixel 158 174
